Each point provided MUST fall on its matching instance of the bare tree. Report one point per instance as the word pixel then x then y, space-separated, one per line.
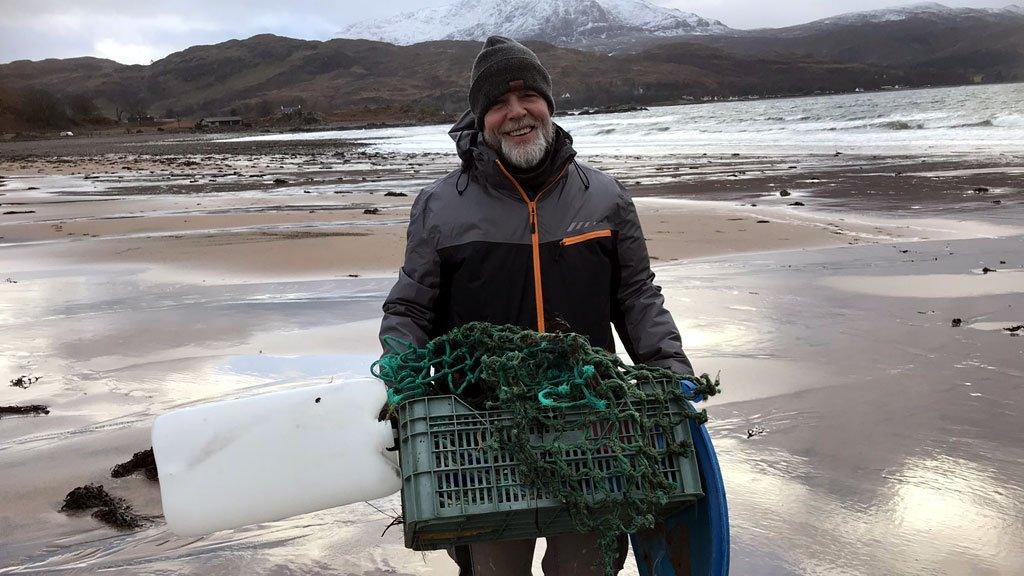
pixel 42 108
pixel 263 108
pixel 82 108
pixel 135 107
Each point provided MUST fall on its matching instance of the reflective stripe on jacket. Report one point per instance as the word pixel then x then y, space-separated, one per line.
pixel 572 259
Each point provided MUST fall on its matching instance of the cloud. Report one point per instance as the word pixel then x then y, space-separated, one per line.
pixel 127 52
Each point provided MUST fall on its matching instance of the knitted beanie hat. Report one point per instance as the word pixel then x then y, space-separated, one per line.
pixel 504 65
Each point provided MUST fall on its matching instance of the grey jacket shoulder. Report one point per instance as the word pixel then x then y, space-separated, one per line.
pixel 443 186
pixel 607 191
pixel 602 183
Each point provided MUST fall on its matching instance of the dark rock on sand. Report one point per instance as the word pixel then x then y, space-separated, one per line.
pixel 143 460
pixel 280 181
pixel 31 409
pixel 980 190
pixel 986 270
pixel 371 211
pixel 956 323
pixel 24 381
pixel 1014 329
pixel 756 431
pixel 395 194
pixel 798 203
pixel 784 193
pixel 763 222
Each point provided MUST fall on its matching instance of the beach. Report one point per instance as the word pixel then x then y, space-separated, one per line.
pixel 859 431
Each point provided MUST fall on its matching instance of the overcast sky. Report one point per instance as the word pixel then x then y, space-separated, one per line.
pixel 140 31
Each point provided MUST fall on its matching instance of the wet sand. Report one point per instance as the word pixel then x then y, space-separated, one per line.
pixel 140 282
pixel 892 440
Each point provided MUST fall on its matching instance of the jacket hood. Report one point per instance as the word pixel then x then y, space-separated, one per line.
pixel 467 138
pixel 478 157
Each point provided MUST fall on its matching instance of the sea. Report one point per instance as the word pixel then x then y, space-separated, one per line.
pixel 964 121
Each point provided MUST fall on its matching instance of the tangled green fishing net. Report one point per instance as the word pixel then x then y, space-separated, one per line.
pixel 539 379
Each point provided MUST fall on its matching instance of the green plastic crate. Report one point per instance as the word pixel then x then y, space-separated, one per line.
pixel 454 491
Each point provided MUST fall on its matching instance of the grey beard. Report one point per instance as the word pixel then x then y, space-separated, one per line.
pixel 524 156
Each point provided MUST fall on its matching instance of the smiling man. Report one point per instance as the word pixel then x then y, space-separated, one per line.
pixel 524 234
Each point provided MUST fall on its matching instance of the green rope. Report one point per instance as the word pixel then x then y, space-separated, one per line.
pixel 538 378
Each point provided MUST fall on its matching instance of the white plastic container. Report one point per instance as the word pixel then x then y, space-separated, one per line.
pixel 233 463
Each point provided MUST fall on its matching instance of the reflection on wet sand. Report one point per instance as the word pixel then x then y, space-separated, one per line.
pixel 928 515
pixel 892 443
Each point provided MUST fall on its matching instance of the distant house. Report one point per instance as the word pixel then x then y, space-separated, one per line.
pixel 291 109
pixel 220 121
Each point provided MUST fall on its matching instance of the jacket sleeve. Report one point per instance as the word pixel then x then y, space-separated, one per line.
pixel 644 325
pixel 409 313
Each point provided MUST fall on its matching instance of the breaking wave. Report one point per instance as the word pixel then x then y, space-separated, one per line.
pixel 970 118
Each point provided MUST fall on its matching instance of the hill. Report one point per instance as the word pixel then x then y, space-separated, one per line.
pixel 258 75
pixel 926 44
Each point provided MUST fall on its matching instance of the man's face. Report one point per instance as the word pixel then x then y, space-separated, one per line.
pixel 519 127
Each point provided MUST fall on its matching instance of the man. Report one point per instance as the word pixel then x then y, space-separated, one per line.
pixel 524 234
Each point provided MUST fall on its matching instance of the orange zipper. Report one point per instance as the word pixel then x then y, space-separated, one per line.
pixel 585 237
pixel 531 205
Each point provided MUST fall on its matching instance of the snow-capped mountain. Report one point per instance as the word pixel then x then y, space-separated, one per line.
pixel 922 9
pixel 561 22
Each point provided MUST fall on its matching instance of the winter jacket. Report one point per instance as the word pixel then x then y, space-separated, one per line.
pixel 572 259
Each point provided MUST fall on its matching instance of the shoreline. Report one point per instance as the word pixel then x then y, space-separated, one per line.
pixel 205 207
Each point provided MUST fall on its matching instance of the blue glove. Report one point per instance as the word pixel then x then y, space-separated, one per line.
pixel 690 389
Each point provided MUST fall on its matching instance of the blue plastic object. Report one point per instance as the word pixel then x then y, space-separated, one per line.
pixel 695 540
pixel 690 388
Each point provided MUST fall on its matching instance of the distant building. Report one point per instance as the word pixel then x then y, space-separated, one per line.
pixel 291 109
pixel 220 121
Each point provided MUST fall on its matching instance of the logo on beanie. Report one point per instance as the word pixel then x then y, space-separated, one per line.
pixel 516 85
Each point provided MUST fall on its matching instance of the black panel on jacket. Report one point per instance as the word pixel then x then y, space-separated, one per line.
pixel 493 282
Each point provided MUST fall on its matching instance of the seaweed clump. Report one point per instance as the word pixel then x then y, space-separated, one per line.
pixel 110 510
pixel 143 460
